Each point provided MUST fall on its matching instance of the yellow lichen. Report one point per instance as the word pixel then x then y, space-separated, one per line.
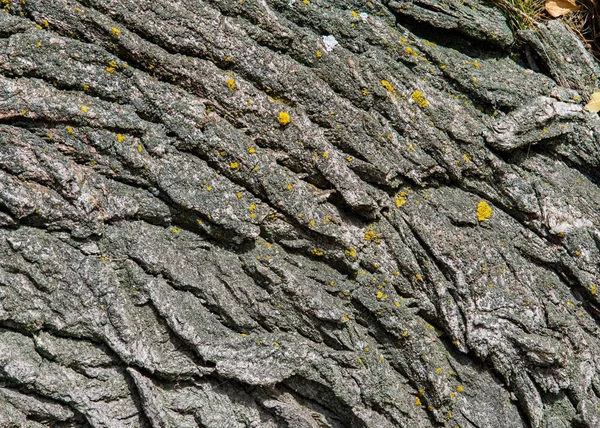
pixel 476 64
pixel 364 92
pixel 325 155
pixel 69 130
pixel 417 97
pixel 120 138
pixel 84 109
pixel 231 84
pixel 252 207
pixel 239 195
pixel 283 118
pixel 387 85
pixel 593 289
pixel 417 401
pixel 354 14
pixel 400 201
pixel 251 150
pixel 115 31
pixel 484 211
pixel 351 252
pixel 175 230
pixel 209 188
pixel 369 235
pixel 459 388
pixel 234 165
pixel 316 252
pixel 319 54
pixel 289 187
pixel 140 148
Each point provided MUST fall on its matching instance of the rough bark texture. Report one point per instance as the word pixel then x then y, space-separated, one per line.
pixel 417 247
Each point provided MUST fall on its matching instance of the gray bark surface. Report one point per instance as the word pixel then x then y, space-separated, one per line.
pixel 417 247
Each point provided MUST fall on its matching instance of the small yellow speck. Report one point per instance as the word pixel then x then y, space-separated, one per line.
pixel 84 109
pixel 325 155
pixel 39 44
pixel 120 138
pixel 69 130
pixel 231 84
pixel 283 118
pixel 459 388
pixel 289 187
pixel 239 195
pixel 351 252
pixel 319 54
pixel 115 31
pixel 251 150
pixel 175 230
pixel 140 148
pixel 369 235
pixel 234 165
pixel 379 294
pixel 209 188
pixel 484 211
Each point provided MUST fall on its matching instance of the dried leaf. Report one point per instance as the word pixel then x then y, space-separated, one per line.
pixel 558 8
pixel 594 104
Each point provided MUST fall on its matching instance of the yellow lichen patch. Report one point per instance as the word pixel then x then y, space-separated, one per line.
pixel 251 150
pixel 86 87
pixel 283 118
pixel 306 2
pixel 319 54
pixel 234 165
pixel 467 157
pixel 252 207
pixel 45 22
pixel 351 252
pixel 231 84
pixel 379 295
pixel 116 32
pixel 289 187
pixel 239 195
pixel 364 92
pixel 459 388
pixel 175 230
pixel 400 201
pixel 209 188
pixel 84 109
pixel 325 155
pixel 316 252
pixel 140 149
pixel 593 289
pixel 120 138
pixel 369 235
pixel 110 69
pixel 418 277
pixel 476 64
pixel 387 85
pixel 349 158
pixel 417 97
pixel 69 130
pixel 354 14
pixel 332 283
pixel 417 401
pixel 484 211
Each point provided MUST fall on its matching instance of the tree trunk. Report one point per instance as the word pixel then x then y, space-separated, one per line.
pixel 325 213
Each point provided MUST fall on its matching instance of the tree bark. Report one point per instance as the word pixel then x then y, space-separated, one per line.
pixel 295 213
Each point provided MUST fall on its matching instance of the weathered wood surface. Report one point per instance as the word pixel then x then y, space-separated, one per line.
pixel 173 253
